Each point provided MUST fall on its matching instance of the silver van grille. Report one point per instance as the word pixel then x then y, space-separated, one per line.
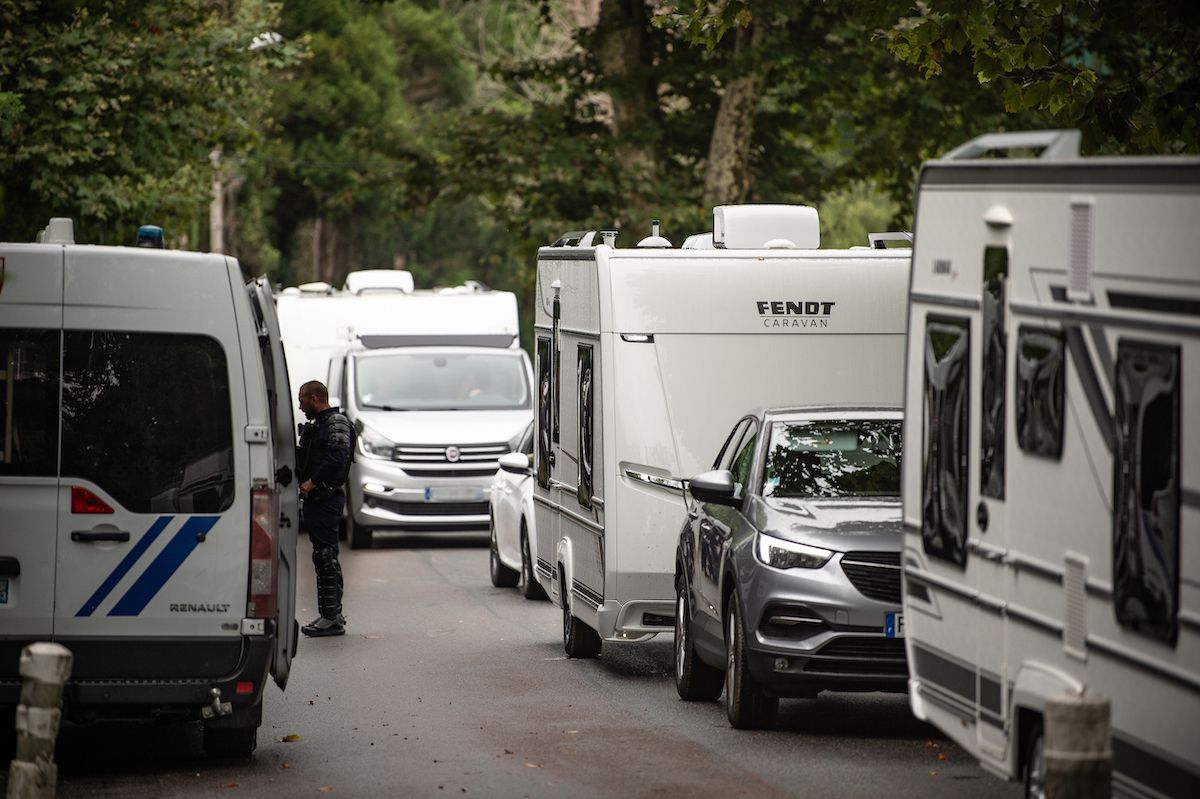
pixel 433 460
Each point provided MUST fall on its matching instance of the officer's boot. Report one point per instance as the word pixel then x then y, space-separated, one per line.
pixel 329 595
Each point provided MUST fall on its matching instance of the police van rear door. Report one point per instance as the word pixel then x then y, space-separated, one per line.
pixel 154 497
pixel 31 281
pixel 284 435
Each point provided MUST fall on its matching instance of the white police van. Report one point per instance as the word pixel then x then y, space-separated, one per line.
pixel 147 501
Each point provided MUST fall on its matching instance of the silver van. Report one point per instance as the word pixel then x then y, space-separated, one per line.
pixel 147 494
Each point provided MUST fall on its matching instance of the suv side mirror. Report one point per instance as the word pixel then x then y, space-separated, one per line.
pixel 716 487
pixel 516 463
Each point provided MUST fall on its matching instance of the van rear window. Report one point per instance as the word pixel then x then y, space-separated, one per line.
pixel 146 417
pixel 29 403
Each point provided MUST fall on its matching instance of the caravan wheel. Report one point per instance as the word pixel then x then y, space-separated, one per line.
pixel 1035 763
pixel 579 640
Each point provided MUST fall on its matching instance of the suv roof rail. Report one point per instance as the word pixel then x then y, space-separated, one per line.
pixel 1055 144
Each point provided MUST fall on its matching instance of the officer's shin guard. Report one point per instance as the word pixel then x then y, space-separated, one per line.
pixel 329 582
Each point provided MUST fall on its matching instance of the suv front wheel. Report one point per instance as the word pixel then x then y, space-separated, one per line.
pixel 747 706
pixel 695 680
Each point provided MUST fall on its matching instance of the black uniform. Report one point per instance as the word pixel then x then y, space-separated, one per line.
pixel 324 456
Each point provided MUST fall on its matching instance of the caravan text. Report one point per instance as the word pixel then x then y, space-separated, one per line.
pixel 793 313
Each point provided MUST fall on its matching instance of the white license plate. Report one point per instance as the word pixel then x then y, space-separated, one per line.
pixel 893 625
pixel 3 590
pixel 454 494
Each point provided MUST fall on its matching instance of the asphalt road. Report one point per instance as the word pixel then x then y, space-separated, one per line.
pixel 446 686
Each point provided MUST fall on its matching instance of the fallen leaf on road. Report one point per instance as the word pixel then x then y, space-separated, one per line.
pixel 931 744
pixel 289 739
pixel 941 755
pixel 508 751
pixel 372 637
pixel 325 789
pixel 286 765
pixel 933 774
pixel 231 785
pixel 572 732
pixel 533 765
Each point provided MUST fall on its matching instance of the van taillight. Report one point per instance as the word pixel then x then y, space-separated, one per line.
pixel 84 501
pixel 264 551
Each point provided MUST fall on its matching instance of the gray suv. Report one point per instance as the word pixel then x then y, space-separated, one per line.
pixel 787 570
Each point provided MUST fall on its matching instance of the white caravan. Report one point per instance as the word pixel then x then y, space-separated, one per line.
pixel 1051 471
pixel 645 358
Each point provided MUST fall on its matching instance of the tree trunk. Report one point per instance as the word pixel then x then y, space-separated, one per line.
pixel 727 174
pixel 621 52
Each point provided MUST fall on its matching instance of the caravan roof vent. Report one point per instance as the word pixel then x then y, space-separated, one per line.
pixel 780 244
pixel 698 241
pixel 655 241
pixel 320 287
pixel 61 230
pixel 382 280
pixel 751 227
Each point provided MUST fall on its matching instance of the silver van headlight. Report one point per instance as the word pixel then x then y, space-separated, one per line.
pixel 374 445
pixel 780 554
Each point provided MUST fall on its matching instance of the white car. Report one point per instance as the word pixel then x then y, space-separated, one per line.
pixel 511 521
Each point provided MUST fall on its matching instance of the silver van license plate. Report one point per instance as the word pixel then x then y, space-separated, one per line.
pixel 893 625
pixel 453 494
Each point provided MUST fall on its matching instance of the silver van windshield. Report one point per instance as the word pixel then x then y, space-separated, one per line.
pixel 418 381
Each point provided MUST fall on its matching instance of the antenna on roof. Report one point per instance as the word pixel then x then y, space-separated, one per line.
pixel 655 241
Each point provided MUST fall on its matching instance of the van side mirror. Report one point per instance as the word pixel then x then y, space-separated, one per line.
pixel 516 463
pixel 716 487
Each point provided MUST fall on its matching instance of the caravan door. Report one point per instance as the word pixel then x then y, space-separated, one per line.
pixel 283 428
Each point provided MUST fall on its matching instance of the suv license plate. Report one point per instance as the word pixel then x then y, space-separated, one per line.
pixel 893 625
pixel 453 494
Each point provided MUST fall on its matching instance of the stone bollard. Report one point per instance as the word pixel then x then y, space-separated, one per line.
pixel 32 773
pixel 1078 747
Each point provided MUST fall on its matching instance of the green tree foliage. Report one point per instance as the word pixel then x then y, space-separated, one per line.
pixel 109 110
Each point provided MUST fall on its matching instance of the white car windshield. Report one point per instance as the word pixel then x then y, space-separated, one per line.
pixel 833 459
pixel 416 381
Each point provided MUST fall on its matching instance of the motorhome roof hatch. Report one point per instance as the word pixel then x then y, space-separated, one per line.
pixel 752 227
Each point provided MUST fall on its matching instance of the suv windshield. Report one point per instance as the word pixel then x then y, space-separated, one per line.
pixel 833 458
pixel 413 381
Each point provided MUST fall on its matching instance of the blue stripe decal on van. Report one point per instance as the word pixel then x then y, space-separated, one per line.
pixel 164 566
pixel 125 565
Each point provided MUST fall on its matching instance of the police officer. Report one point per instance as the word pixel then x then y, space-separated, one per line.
pixel 324 455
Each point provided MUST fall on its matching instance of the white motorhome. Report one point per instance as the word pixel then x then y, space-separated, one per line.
pixel 147 489
pixel 438 392
pixel 1051 475
pixel 647 355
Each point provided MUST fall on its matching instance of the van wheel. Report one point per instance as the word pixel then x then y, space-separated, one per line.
pixel 579 640
pixel 233 742
pixel 360 537
pixel 1035 763
pixel 502 576
pixel 530 587
pixel 747 706
pixel 695 680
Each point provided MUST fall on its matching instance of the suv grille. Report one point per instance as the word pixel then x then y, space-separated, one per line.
pixel 860 655
pixel 875 574
pixel 429 460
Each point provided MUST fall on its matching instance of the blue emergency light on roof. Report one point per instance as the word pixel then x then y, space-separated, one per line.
pixel 150 236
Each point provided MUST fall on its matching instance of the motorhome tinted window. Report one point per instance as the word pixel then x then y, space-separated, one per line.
pixel 414 381
pixel 1040 390
pixel 29 402
pixel 850 458
pixel 1146 490
pixel 995 348
pixel 586 397
pixel 945 417
pixel 545 408
pixel 146 417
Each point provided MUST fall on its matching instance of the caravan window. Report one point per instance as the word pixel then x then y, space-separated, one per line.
pixel 146 416
pixel 1041 386
pixel 545 408
pixel 586 398
pixel 29 402
pixel 1146 489
pixel 944 483
pixel 995 351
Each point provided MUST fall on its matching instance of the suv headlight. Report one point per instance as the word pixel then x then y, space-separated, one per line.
pixel 373 444
pixel 780 554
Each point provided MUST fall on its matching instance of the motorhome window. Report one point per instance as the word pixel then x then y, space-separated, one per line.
pixel 29 384
pixel 586 397
pixel 441 381
pixel 146 416
pixel 744 460
pixel 834 458
pixel 945 417
pixel 1146 489
pixel 995 347
pixel 1040 391
pixel 545 409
